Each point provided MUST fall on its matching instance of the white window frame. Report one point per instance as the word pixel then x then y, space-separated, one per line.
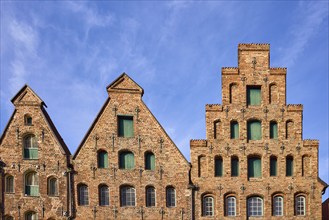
pixel 230 212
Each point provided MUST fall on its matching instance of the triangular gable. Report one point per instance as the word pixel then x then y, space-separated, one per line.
pixel 26 96
pixel 124 84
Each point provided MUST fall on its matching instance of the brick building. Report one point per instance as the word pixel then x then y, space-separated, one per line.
pixel 253 163
pixel 34 163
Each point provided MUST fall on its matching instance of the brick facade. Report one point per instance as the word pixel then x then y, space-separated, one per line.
pixel 103 161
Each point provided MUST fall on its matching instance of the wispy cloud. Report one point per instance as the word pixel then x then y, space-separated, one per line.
pixel 307 24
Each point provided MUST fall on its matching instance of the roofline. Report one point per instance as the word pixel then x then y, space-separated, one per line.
pixel 55 131
pixel 325 185
pixel 165 132
pixel 124 74
pixel 7 126
pixel 91 128
pixel 21 90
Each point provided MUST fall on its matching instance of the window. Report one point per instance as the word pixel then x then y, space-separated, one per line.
pixel 128 196
pixel 255 206
pixel 254 167
pixel 9 184
pixel 254 130
pixel 208 206
pixel 274 95
pixel 230 206
pixel 289 166
pixel 273 130
pixel 125 126
pixel 126 160
pixel 216 129
pixel 234 166
pixel 102 159
pixel 171 197
pixel 83 195
pixel 300 205
pixel 52 187
pixel 104 198
pixel 30 147
pixel 27 120
pixel 254 96
pixel 8 217
pixel 202 165
pixel 149 161
pixel 273 166
pixel 278 206
pixel 31 216
pixel 150 196
pixel 218 166
pixel 234 130
pixel 31 184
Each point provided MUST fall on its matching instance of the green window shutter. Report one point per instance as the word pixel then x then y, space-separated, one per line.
pixel 125 126
pixel 218 167
pixel 102 159
pixel 152 162
pixel 31 153
pixel 254 167
pixel 32 190
pixel 273 167
pixel 273 130
pixel 128 160
pixel 234 130
pixel 234 167
pixel 289 166
pixel 254 130
pixel 254 96
pixel 149 161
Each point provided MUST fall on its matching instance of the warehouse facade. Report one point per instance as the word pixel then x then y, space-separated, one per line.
pixel 254 162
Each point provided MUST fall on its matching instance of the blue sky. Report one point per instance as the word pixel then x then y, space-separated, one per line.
pixel 68 52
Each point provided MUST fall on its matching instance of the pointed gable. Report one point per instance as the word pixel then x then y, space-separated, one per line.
pixel 124 84
pixel 26 96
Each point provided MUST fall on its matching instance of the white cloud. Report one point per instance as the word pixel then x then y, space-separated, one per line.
pixel 306 26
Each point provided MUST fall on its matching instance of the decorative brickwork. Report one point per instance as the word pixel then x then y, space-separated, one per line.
pixel 254 72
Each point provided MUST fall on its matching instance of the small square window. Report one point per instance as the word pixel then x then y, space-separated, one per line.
pixel 28 120
pixel 125 126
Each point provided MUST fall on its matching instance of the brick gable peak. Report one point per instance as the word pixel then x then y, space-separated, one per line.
pixel 124 84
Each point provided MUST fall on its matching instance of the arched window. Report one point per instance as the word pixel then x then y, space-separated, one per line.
pixel 289 129
pixel 230 206
pixel 216 129
pixel 170 196
pixel 83 198
pixel 254 167
pixel 9 184
pixel 218 166
pixel 128 197
pixel 202 166
pixel 126 160
pixel 234 130
pixel 277 206
pixel 254 96
pixel 254 130
pixel 8 217
pixel 31 216
pixel 27 119
pixel 149 161
pixel 300 207
pixel 150 196
pixel 31 184
pixel 289 166
pixel 208 206
pixel 305 165
pixel 274 95
pixel 273 166
pixel 255 206
pixel 52 186
pixel 104 197
pixel 273 130
pixel 233 93
pixel 102 159
pixel 30 147
pixel 234 166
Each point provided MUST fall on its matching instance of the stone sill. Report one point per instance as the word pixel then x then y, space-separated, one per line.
pixel 255 179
